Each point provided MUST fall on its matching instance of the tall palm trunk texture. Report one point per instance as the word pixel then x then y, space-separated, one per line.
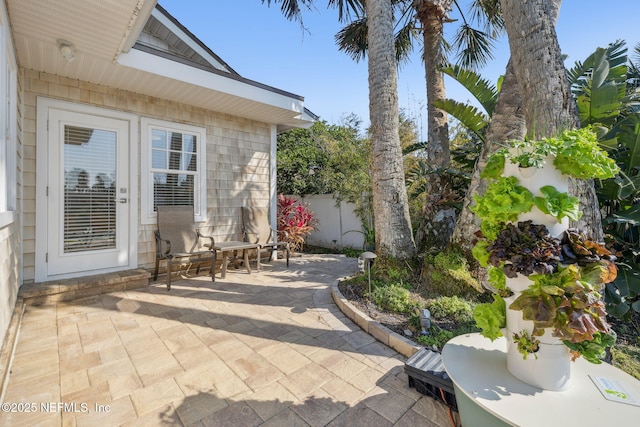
pixel 507 123
pixel 438 221
pixel 394 236
pixel 549 107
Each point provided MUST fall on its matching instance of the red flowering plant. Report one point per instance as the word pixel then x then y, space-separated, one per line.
pixel 295 222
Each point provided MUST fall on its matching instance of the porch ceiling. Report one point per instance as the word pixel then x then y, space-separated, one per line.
pixel 103 33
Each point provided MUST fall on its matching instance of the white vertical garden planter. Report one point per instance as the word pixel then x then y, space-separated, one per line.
pixel 550 367
pixel 543 361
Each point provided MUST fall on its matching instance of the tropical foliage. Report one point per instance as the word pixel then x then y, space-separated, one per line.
pixel 295 222
pixel 606 89
pixel 325 159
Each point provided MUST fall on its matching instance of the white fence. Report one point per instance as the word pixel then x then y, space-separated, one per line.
pixel 338 225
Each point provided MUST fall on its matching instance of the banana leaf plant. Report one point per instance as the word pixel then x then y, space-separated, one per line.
pixel 608 97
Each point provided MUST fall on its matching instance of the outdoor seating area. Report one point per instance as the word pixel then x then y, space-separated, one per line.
pixel 178 238
pixel 256 229
pixel 269 349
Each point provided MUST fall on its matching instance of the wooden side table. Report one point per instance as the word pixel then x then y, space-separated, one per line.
pixel 234 246
pixel 488 395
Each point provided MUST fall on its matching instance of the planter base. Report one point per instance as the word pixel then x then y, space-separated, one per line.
pixel 551 370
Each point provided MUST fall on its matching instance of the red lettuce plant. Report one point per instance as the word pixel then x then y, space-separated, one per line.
pixel 524 248
pixel 295 222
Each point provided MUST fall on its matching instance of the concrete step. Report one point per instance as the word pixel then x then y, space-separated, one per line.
pixel 70 289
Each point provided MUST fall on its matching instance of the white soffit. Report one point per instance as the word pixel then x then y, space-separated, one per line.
pixel 102 31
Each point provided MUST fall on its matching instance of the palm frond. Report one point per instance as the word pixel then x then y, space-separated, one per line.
pixel 488 12
pixel 414 147
pixel 347 8
pixel 576 73
pixel 404 42
pixel 352 39
pixel 466 114
pixel 481 89
pixel 291 9
pixel 474 47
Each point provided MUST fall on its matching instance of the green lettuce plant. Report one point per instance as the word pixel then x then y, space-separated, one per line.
pixel 527 344
pixel 491 317
pixel 495 165
pixel 530 154
pixel 502 202
pixel 557 204
pixel 578 155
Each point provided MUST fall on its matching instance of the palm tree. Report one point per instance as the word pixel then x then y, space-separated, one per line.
pixel 393 232
pixel 438 217
pixel 542 81
pixel 390 204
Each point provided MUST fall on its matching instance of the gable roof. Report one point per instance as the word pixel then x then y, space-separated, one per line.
pixel 165 33
pixel 136 45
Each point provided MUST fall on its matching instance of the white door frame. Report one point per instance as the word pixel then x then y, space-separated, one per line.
pixel 43 157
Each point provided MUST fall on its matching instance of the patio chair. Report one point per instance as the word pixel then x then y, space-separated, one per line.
pixel 177 237
pixel 256 229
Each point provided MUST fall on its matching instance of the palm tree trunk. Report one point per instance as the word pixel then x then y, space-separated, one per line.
pixel 549 106
pixel 507 122
pixel 390 203
pixel 438 221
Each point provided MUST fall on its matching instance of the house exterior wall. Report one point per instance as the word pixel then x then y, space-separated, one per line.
pixel 9 273
pixel 10 239
pixel 237 154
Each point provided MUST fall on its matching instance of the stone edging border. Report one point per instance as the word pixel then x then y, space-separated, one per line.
pixel 383 334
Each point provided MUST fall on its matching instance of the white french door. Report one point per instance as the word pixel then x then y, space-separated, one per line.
pixel 88 215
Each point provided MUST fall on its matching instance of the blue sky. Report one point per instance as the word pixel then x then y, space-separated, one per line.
pixel 260 44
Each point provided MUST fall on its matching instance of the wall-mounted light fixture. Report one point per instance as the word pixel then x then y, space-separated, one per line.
pixel 67 50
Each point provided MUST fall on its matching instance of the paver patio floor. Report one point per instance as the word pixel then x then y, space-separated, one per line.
pixel 267 348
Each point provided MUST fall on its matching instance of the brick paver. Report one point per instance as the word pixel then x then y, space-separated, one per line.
pixel 269 348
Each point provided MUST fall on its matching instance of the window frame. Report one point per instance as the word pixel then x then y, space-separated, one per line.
pixel 8 126
pixel 148 215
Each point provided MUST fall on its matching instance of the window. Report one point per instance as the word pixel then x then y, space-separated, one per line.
pixel 173 158
pixel 8 125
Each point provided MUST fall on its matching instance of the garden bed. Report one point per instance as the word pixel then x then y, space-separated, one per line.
pixel 626 353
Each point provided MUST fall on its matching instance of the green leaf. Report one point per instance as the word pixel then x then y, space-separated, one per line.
pixel 580 156
pixel 481 89
pixel 494 167
pixel 466 114
pixel 491 317
pixel 558 204
pixel 480 252
pixel 501 203
pixel 593 350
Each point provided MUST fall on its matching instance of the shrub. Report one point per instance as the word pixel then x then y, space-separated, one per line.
pixel 391 270
pixel 295 222
pixel 453 309
pixel 448 274
pixel 437 337
pixel 396 298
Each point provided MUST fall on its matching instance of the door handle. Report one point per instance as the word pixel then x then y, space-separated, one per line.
pixel 122 200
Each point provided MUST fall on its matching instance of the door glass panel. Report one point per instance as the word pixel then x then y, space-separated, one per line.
pixel 89 189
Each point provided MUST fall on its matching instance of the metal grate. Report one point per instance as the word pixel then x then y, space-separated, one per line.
pixel 427 374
